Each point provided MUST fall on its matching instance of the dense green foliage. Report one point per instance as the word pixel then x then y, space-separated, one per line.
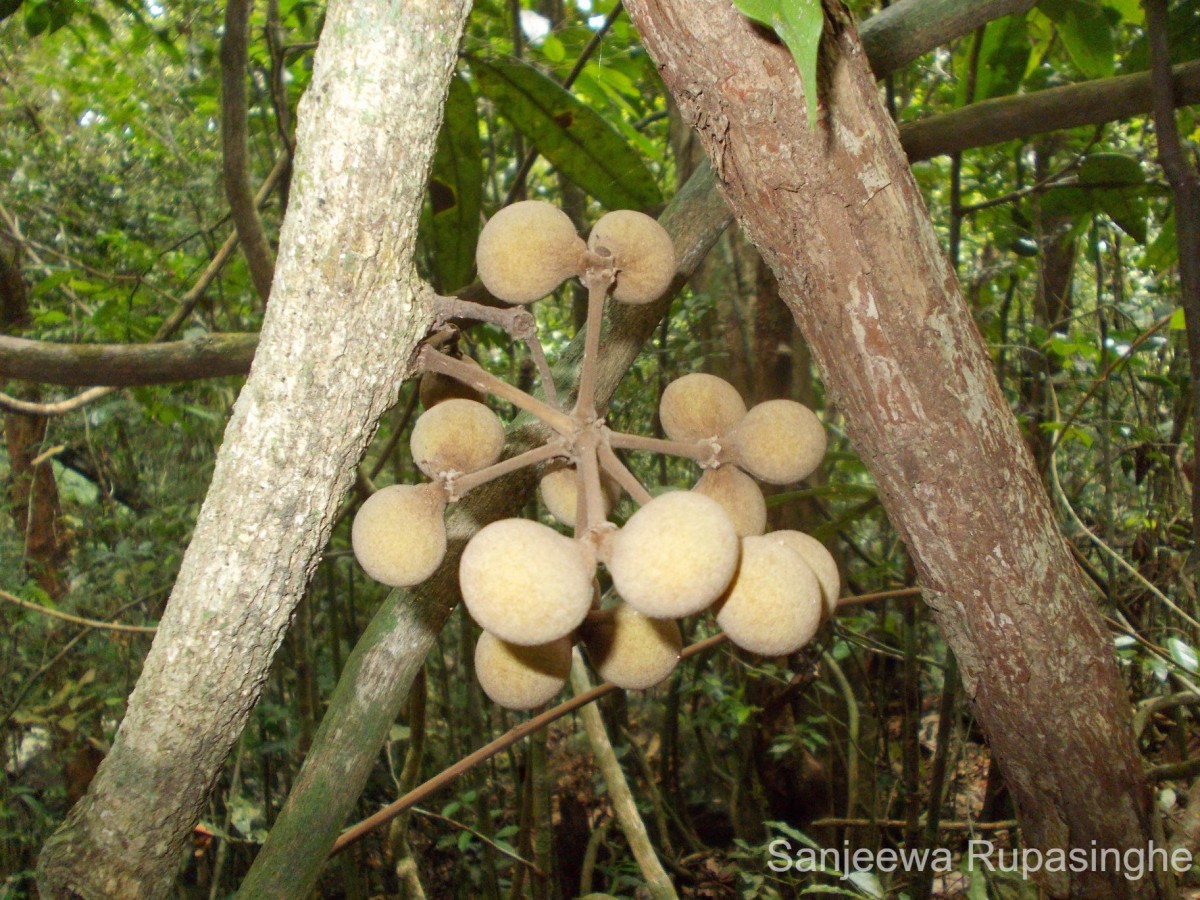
pixel 113 205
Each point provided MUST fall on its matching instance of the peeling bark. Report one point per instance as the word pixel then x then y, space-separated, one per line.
pixel 346 312
pixel 840 220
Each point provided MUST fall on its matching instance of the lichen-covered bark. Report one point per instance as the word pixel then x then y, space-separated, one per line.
pixel 346 312
pixel 839 218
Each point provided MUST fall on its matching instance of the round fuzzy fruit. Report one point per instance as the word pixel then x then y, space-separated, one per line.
pixel 399 535
pixel 456 436
pixel 642 252
pixel 558 490
pixel 436 387
pixel 675 555
pixel 518 677
pixel 698 406
pixel 526 583
pixel 526 250
pixel 819 560
pixel 739 495
pixel 774 605
pixel 779 441
pixel 632 650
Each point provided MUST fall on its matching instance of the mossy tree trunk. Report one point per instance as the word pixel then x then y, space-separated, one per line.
pixel 346 312
pixel 838 216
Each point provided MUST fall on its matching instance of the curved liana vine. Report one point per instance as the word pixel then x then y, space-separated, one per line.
pixel 533 589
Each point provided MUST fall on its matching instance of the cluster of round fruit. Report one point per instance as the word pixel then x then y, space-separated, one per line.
pixel 534 590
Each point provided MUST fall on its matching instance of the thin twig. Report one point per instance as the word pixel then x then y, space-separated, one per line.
pixel 518 184
pixel 462 826
pixel 76 620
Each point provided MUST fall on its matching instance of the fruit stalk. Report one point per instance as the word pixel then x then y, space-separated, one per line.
pixel 704 452
pixel 481 379
pixel 461 485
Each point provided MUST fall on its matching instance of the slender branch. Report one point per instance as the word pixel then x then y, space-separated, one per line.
pixel 125 365
pixel 235 146
pixel 482 380
pixel 487 751
pixel 515 857
pixel 76 620
pixel 1154 328
pixel 611 463
pixel 58 408
pixel 837 822
pixel 589 493
pixel 1024 115
pixel 624 806
pixel 1185 188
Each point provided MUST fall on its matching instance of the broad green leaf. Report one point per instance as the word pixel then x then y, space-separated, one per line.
pixel 1003 59
pixel 799 24
pixel 455 190
pixel 1177 323
pixel 1163 251
pixel 1086 33
pixel 1123 201
pixel 573 137
pixel 1109 183
pixel 1183 38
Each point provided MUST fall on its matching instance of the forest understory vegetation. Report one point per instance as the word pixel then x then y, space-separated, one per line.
pixel 122 238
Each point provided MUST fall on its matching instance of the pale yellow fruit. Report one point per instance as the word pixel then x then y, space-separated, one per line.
pixel 779 441
pixel 526 250
pixel 699 406
pixel 558 490
pixel 526 583
pixel 436 387
pixel 819 560
pixel 739 495
pixel 674 556
pixel 642 252
pixel 519 677
pixel 399 534
pixel 456 436
pixel 632 650
pixel 774 605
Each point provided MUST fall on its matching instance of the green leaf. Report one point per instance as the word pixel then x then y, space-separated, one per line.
pixel 1003 59
pixel 1183 38
pixel 1177 323
pixel 455 191
pixel 37 18
pixel 799 24
pixel 573 137
pixel 1086 33
pixel 8 7
pixel 1123 202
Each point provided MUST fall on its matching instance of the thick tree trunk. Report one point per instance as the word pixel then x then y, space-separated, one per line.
pixel 346 311
pixel 839 218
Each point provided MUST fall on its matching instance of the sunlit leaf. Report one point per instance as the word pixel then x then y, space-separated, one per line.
pixel 1086 32
pixel 573 137
pixel 799 24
